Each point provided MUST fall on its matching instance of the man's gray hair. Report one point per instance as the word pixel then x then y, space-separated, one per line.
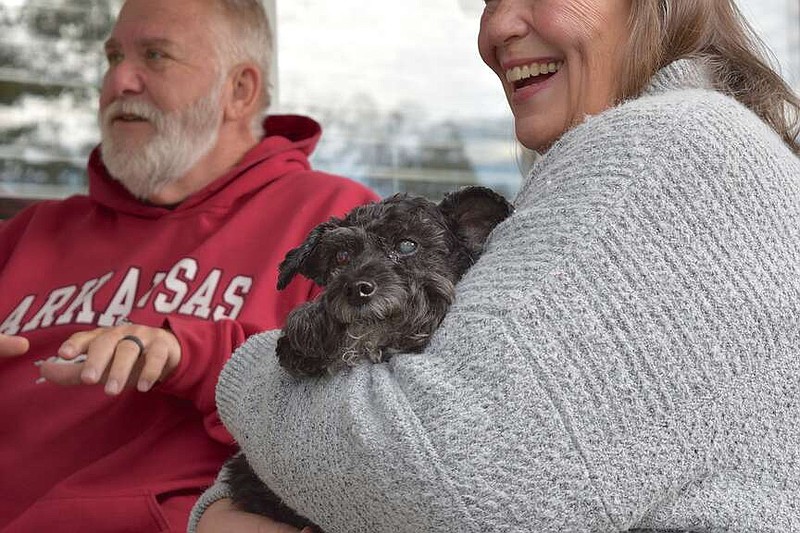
pixel 246 36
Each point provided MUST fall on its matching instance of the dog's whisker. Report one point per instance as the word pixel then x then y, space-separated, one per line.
pixel 354 336
pixel 350 357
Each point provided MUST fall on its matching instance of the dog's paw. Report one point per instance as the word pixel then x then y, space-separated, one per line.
pixel 296 362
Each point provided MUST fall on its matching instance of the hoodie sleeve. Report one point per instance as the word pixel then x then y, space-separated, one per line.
pixel 205 347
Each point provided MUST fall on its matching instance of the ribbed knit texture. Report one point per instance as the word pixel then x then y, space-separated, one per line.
pixel 625 354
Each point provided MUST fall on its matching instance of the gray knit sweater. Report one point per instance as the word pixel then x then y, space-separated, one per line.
pixel 626 353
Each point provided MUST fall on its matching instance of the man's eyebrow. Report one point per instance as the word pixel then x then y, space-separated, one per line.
pixel 160 42
pixel 156 41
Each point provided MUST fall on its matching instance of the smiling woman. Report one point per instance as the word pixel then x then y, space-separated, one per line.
pixel 580 39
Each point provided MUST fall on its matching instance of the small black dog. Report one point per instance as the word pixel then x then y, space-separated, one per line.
pixel 389 270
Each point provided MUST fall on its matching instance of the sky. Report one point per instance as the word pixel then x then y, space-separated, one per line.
pixel 425 51
pixel 416 50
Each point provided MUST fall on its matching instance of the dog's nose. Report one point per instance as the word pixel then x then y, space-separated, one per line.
pixel 364 289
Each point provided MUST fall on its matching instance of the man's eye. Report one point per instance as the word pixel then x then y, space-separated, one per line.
pixel 154 54
pixel 113 58
pixel 406 247
pixel 342 257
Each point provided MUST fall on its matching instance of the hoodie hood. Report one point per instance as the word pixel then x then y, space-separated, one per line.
pixel 288 142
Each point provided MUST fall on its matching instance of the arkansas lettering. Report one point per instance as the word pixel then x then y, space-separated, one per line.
pixel 177 291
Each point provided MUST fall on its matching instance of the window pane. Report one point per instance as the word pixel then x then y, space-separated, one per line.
pixel 403 97
pixel 405 102
pixel 777 22
pixel 50 67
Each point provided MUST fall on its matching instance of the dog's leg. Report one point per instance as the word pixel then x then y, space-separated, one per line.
pixel 251 494
pixel 311 341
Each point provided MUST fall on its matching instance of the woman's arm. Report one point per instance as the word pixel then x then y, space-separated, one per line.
pixel 592 365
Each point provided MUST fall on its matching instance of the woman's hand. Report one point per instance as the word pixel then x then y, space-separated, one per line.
pixel 222 516
pixel 130 355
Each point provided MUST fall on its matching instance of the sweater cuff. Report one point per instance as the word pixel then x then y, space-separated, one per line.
pixel 255 358
pixel 215 492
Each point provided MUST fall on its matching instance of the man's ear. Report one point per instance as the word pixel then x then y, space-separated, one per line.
pixel 245 91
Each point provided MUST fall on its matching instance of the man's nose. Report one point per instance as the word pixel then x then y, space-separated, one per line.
pixel 123 79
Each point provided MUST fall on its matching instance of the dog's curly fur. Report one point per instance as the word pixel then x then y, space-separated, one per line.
pixel 389 270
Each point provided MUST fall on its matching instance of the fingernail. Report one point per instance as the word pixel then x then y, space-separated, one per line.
pixel 66 350
pixel 112 386
pixel 38 362
pixel 40 381
pixel 89 374
pixel 143 385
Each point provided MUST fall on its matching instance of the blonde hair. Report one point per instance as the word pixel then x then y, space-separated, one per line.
pixel 715 31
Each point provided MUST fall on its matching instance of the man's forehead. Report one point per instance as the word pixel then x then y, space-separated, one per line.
pixel 169 22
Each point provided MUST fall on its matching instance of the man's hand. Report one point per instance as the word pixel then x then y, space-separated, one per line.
pixel 12 346
pixel 130 355
pixel 222 516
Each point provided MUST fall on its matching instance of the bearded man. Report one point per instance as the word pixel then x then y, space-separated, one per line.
pixel 120 307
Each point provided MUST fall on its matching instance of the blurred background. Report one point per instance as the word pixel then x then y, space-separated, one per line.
pixel 404 100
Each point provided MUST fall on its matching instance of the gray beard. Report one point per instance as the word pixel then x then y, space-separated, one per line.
pixel 181 139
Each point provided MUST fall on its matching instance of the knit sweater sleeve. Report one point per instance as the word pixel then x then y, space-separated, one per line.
pixel 638 304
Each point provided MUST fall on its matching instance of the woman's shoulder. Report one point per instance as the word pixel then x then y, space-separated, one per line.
pixel 671 114
pixel 690 107
pixel 660 139
pixel 693 124
pixel 693 118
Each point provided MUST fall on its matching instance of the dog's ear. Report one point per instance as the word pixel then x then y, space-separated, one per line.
pixel 475 211
pixel 303 260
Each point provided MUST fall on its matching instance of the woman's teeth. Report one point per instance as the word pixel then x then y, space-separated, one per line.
pixel 516 74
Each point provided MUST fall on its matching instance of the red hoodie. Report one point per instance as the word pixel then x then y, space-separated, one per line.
pixel 74 459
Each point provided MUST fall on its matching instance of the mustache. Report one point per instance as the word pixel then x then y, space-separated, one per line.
pixel 139 108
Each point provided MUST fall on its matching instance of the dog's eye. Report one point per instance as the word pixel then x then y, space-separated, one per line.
pixel 342 257
pixel 406 247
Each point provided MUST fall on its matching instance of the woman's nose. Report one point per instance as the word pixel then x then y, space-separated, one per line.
pixel 506 21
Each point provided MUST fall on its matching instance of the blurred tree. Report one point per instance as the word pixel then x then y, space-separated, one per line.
pixel 51 63
pixel 396 150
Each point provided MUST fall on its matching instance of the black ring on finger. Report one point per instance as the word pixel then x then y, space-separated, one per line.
pixel 136 340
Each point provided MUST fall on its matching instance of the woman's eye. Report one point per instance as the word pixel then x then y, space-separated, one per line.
pixel 342 257
pixel 406 247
